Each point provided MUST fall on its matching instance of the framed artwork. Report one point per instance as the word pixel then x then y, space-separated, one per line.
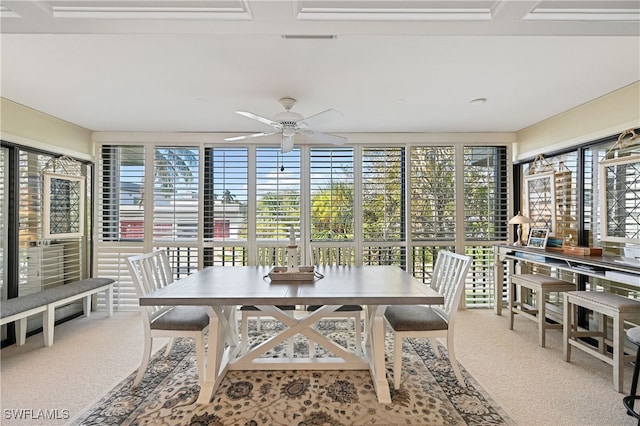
pixel 619 182
pixel 63 206
pixel 540 197
pixel 538 237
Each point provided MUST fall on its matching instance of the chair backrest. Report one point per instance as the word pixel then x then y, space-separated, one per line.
pixel 448 279
pixel 273 256
pixel 332 256
pixel 150 272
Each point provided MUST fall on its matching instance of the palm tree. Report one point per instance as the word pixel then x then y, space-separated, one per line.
pixel 228 197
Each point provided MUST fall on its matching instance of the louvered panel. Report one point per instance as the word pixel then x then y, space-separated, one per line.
pixel 111 262
pixel 277 193
pixel 120 194
pixel 433 194
pixel 382 194
pixel 332 196
pixel 479 284
pixel 486 191
pixel 226 182
pixel 175 194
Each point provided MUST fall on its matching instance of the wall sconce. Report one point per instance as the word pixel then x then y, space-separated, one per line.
pixel 519 220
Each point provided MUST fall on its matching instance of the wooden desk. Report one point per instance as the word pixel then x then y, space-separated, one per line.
pixel 221 289
pixel 593 266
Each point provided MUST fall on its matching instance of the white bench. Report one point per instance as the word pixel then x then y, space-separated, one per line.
pixel 20 308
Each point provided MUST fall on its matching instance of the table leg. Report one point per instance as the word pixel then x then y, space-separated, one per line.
pixel 222 331
pixel 374 349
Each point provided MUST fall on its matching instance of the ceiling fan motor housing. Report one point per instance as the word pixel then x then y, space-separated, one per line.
pixel 288 118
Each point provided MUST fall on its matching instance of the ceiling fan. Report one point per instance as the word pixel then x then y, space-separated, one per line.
pixel 289 123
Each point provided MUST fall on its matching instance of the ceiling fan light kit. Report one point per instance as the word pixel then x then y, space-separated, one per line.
pixel 288 123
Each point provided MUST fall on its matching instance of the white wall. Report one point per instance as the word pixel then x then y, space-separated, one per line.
pixel 26 126
pixel 605 116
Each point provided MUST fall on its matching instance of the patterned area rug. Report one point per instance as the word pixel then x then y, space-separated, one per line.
pixel 429 395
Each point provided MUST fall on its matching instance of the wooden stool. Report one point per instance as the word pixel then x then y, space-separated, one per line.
pixel 541 285
pixel 619 308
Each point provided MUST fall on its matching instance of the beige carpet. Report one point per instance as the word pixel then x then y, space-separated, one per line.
pixel 430 393
pixel 532 384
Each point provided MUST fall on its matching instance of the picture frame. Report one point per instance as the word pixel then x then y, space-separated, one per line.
pixel 63 206
pixel 618 185
pixel 540 199
pixel 538 238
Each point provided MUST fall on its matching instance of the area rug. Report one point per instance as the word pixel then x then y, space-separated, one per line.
pixel 429 394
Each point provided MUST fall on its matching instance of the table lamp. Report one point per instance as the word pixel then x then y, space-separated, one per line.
pixel 519 220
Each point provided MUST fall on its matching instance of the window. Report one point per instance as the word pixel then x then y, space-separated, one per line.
pixel 332 206
pixel 486 214
pixel 121 201
pixel 226 200
pixel 383 190
pixel 32 258
pixel 226 184
pixel 371 205
pixel 277 193
pixel 175 194
pixel 433 190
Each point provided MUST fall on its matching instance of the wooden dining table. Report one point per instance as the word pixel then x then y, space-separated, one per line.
pixel 221 289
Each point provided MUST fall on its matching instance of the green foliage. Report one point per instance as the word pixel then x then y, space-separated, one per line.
pixel 332 212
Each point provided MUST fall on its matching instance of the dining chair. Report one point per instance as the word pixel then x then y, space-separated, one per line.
pixel 434 321
pixel 267 256
pixel 332 256
pixel 151 272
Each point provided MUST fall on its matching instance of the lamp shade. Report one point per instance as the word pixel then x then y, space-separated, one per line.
pixel 519 219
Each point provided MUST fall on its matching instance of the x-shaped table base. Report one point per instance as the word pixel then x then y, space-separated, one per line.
pixel 223 348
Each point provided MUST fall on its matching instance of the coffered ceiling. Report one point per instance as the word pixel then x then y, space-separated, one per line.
pixel 389 66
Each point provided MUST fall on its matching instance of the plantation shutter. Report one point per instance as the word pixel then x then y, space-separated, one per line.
pixel 332 206
pixel 383 200
pixel 176 195
pixel 277 193
pixel 226 197
pixel 433 194
pixel 119 217
pixel 486 216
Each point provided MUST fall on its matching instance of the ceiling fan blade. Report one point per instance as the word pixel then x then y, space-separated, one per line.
pixel 255 135
pixel 259 118
pixel 322 117
pixel 325 137
pixel 286 144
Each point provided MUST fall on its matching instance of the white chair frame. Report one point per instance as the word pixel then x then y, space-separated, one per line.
pixel 151 272
pixel 449 275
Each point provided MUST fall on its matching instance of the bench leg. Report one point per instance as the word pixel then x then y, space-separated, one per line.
pixel 109 300
pixel 512 302
pixel 86 305
pixel 618 352
pixel 567 328
pixel 542 316
pixel 21 331
pixel 48 322
pixel 602 321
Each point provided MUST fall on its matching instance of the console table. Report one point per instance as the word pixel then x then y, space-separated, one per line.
pixel 593 266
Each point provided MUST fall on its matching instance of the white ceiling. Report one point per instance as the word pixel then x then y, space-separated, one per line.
pixel 392 66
